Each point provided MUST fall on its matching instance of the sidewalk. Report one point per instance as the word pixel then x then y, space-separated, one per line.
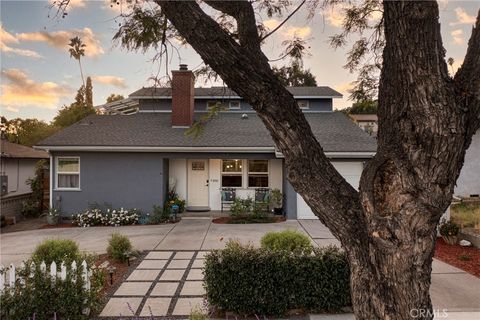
pixel 452 288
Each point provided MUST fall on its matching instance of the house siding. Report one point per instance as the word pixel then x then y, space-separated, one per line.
pixel 468 183
pixel 200 105
pixel 18 171
pixel 128 180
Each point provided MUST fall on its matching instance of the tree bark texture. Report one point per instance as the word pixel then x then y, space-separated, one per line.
pixel 426 122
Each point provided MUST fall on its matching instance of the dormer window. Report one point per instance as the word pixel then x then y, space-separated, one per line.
pixel 234 105
pixel 303 104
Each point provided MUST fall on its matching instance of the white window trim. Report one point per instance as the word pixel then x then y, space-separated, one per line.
pixel 234 108
pixel 258 173
pixel 57 188
pixel 239 173
pixel 307 107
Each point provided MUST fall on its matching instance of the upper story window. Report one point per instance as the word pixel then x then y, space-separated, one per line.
pixel 234 105
pixel 68 173
pixel 232 173
pixel 258 173
pixel 303 104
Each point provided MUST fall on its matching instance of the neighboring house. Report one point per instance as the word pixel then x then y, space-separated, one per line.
pixel 468 183
pixel 368 122
pixel 17 166
pixel 131 160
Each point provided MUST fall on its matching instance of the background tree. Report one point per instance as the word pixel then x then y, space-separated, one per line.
pixel 77 51
pixel 75 112
pixel 26 131
pixel 426 122
pixel 89 93
pixel 362 107
pixel 295 75
pixel 114 97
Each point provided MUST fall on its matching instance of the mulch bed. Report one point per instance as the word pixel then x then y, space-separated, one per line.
pixel 247 220
pixel 465 258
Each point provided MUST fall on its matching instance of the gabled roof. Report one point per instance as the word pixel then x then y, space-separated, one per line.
pixel 334 131
pixel 13 150
pixel 165 93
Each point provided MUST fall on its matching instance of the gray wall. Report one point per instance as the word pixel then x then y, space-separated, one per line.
pixel 289 197
pixel 468 182
pixel 201 105
pixel 129 180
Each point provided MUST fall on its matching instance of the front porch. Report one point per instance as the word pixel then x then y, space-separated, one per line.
pixel 200 181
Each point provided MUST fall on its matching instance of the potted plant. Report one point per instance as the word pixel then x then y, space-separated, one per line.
pixel 277 201
pixel 449 232
pixel 53 216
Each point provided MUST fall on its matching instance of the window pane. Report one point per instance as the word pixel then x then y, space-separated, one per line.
pixel 232 181
pixel 258 166
pixel 68 165
pixel 231 165
pixel 68 181
pixel 258 180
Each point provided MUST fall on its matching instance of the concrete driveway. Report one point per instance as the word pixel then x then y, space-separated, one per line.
pixel 451 289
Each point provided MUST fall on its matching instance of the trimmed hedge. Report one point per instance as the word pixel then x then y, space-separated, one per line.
pixel 287 240
pixel 250 281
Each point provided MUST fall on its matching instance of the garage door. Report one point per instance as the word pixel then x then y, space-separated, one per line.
pixel 351 171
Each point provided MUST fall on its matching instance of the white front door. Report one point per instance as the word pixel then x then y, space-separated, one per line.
pixel 197 183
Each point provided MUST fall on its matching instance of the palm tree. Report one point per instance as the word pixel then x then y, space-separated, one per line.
pixel 77 50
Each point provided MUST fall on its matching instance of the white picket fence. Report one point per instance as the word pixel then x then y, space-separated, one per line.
pixel 9 276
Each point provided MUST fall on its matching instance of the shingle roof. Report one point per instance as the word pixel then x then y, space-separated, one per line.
pixel 13 150
pixel 226 92
pixel 334 131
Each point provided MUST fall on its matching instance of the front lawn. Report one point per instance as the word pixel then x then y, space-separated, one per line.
pixel 466 215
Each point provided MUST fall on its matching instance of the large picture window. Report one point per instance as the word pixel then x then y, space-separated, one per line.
pixel 232 173
pixel 258 173
pixel 68 173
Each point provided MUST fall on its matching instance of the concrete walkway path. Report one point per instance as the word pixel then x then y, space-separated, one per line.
pixel 452 288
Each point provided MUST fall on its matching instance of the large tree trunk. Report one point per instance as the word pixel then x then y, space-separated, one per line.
pixel 426 121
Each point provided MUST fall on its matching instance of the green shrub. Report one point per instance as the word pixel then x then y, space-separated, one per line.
pixel 249 281
pixel 288 240
pixel 57 250
pixel 449 228
pixel 118 246
pixel 39 297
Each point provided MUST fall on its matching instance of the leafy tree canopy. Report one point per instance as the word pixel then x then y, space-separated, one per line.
pixel 76 111
pixel 114 97
pixel 26 131
pixel 295 75
pixel 362 107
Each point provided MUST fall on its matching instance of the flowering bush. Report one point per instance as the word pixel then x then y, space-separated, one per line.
pixel 97 217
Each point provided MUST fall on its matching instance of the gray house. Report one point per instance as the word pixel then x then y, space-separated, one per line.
pixel 132 160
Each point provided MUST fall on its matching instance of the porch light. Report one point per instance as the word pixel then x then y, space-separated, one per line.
pixel 111 270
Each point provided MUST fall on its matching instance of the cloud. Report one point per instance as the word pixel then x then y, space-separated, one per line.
pixel 335 15
pixel 301 32
pixel 462 17
pixel 72 4
pixel 271 23
pixel 12 109
pixel 111 80
pixel 457 36
pixel 61 39
pixel 442 4
pixel 19 90
pixel 344 88
pixel 7 38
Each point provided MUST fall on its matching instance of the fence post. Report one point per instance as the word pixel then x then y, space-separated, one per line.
pixel 43 266
pixel 22 267
pixel 32 269
pixel 86 278
pixel 2 277
pixel 11 278
pixel 63 271
pixel 73 270
pixel 53 270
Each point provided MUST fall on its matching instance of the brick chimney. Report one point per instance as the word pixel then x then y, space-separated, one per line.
pixel 182 97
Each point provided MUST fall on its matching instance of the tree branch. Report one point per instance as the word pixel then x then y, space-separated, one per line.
pixel 248 73
pixel 283 22
pixel 243 13
pixel 467 81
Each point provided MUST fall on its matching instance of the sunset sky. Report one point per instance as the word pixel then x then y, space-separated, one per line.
pixel 38 76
